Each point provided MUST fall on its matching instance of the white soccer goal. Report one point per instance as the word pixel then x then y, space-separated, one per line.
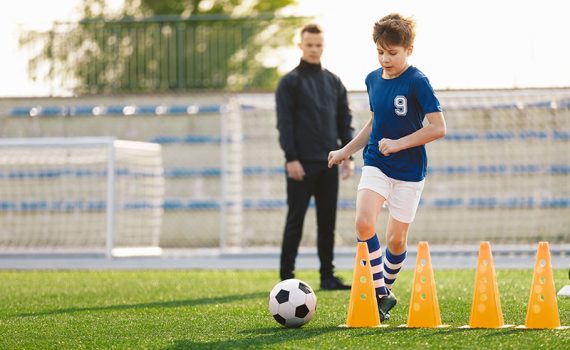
pixel 84 194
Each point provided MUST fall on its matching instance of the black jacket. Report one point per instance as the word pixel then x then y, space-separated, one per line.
pixel 313 116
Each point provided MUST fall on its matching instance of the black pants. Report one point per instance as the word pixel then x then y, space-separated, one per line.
pixel 322 183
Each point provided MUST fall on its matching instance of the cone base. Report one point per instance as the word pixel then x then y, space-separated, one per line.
pixel 379 326
pixel 500 327
pixel 440 326
pixel 556 328
pixel 564 292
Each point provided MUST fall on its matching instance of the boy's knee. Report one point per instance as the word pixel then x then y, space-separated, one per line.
pixel 397 244
pixel 364 228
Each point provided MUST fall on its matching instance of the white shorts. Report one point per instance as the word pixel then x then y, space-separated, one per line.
pixel 402 197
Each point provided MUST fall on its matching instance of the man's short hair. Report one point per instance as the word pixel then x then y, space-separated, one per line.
pixel 312 28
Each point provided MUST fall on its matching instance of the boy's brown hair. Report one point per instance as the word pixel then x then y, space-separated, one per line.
pixel 394 29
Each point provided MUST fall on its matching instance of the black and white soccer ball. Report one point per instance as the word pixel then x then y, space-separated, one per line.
pixel 292 303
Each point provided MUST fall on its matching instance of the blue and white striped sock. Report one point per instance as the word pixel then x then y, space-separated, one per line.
pixel 392 265
pixel 375 253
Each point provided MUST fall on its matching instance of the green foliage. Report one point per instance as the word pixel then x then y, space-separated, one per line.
pixel 228 310
pixel 165 45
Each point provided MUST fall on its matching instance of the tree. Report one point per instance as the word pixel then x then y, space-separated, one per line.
pixel 164 45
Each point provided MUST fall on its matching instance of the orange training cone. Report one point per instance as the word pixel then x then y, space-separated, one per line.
pixel 424 309
pixel 486 307
pixel 542 310
pixel 363 307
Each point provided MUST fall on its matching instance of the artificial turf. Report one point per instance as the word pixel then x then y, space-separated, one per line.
pixel 203 309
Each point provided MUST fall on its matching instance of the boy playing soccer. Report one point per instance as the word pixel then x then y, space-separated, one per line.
pixel 395 160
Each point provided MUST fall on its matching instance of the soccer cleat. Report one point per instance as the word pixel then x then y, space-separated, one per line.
pixel 333 283
pixel 385 304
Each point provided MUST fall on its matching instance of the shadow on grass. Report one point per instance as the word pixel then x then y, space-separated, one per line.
pixel 510 331
pixel 262 337
pixel 258 338
pixel 270 336
pixel 150 305
pixel 396 330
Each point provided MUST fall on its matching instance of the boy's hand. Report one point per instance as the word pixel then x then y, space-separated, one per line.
pixel 336 157
pixel 389 146
pixel 295 170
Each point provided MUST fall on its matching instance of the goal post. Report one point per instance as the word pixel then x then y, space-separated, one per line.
pixel 231 201
pixel 81 194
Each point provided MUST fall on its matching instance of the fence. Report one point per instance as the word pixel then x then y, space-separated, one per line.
pixel 502 173
pixel 163 53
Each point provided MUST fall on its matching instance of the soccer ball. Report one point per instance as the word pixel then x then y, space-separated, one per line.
pixel 292 303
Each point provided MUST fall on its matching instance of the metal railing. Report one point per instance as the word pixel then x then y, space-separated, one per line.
pixel 166 53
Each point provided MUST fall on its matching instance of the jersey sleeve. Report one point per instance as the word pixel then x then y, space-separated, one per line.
pixel 426 96
pixel 367 82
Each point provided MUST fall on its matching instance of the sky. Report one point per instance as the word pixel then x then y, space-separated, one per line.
pixel 459 44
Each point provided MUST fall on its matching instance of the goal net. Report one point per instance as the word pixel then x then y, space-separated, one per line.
pixel 86 194
pixel 501 174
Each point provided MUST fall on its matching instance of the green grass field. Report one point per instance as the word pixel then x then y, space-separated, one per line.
pixel 228 309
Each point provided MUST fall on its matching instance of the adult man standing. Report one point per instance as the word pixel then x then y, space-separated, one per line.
pixel 313 119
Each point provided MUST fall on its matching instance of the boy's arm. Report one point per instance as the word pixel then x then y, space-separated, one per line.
pixel 434 130
pixel 357 143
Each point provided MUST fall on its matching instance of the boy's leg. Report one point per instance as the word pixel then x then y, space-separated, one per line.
pixel 368 206
pixel 392 263
pixel 373 190
pixel 403 204
pixel 396 236
pixel 396 249
pixel 375 253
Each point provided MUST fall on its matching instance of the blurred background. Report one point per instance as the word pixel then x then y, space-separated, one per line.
pixel 190 84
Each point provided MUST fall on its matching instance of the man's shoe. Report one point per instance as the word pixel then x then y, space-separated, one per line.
pixel 286 274
pixel 333 283
pixel 385 304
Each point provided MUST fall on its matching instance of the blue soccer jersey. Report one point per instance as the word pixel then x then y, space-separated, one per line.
pixel 399 106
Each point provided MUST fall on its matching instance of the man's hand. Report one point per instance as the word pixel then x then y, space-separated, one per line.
pixel 388 146
pixel 346 169
pixel 295 170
